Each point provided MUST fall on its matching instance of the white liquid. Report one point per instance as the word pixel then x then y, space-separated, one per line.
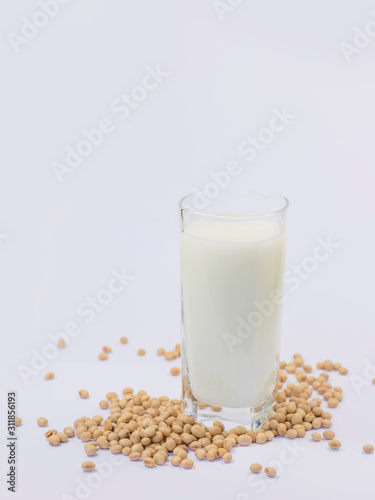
pixel 226 267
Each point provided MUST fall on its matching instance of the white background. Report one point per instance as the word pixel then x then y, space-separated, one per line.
pixel 118 209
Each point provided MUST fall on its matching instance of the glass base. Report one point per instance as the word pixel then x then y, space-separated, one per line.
pixel 252 418
pixel 204 412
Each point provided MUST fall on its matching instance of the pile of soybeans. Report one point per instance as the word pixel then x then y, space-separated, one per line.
pixel 155 429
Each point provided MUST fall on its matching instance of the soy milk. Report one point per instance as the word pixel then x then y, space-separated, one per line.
pixel 232 274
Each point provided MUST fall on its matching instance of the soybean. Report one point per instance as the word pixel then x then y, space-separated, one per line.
pixel 334 444
pixel 368 448
pixel 176 460
pixel 270 471
pixel 328 435
pixel 88 466
pixel 187 463
pixel 54 440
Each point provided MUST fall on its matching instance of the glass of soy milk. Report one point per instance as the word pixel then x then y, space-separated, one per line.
pixel 232 267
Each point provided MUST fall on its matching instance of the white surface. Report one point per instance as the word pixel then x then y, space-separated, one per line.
pixel 118 209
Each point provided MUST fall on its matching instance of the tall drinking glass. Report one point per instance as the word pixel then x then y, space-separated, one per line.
pixel 232 266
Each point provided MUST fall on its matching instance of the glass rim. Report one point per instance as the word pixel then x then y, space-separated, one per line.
pixel 196 211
